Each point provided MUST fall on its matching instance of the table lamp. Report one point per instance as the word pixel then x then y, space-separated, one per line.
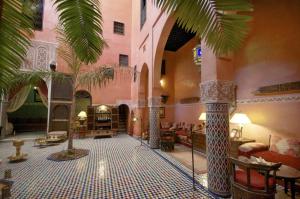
pixel 203 116
pixel 240 119
pixel 82 117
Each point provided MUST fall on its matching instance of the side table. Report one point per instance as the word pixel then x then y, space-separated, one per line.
pixel 289 175
pixel 82 131
pixel 235 143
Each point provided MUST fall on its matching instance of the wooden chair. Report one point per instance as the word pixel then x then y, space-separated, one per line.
pixel 252 180
pixel 167 140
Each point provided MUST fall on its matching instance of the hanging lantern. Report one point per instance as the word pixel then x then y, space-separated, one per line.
pixel 197 55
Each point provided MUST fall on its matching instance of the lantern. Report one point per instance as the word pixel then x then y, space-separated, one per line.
pixel 197 55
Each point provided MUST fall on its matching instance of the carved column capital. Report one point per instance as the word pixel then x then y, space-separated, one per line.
pixel 154 101
pixel 141 103
pixel 217 91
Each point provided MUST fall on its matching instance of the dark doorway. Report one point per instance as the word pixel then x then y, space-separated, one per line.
pixel 123 118
pixel 83 100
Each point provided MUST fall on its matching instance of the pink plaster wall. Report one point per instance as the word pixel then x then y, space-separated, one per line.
pixel 144 42
pixel 187 75
pixel 270 56
pixel 182 81
pixel 112 10
pixel 50 21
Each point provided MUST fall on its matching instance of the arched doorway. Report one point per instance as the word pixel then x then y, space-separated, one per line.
pixel 143 112
pixel 27 110
pixel 123 118
pixel 83 99
pixel 176 75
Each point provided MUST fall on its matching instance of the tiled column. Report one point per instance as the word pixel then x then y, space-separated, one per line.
pixel 154 104
pixel 217 95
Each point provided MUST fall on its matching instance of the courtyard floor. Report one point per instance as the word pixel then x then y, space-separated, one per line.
pixel 115 168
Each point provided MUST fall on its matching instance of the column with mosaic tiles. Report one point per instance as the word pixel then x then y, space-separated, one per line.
pixel 217 95
pixel 154 105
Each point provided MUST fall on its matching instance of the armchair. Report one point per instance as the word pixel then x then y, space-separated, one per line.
pixel 253 180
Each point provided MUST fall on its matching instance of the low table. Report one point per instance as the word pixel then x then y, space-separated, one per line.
pixel 289 175
pixel 102 133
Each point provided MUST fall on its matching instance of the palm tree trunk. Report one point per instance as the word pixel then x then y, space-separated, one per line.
pixel 1 9
pixel 71 120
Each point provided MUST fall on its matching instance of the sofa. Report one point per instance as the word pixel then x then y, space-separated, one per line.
pixel 183 134
pixel 284 150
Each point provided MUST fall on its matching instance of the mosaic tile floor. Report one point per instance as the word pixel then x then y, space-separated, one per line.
pixel 113 169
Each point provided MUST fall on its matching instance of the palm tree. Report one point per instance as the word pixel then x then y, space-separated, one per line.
pixel 222 24
pixel 97 77
pixel 81 20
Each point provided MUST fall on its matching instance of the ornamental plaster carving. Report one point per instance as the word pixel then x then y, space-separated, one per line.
pixel 39 55
pixel 141 103
pixel 217 91
pixel 154 101
pixel 274 99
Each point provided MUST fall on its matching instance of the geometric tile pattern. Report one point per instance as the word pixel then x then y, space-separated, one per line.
pixel 113 169
pixel 217 140
pixel 154 127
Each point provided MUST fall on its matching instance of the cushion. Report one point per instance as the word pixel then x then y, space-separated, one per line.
pixel 181 132
pixel 257 181
pixel 272 156
pixel 57 133
pixel 286 146
pixel 165 125
pixel 248 149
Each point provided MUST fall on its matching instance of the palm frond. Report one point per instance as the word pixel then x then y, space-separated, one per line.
pixel 218 22
pixel 66 52
pixel 82 23
pixel 15 28
pixel 97 77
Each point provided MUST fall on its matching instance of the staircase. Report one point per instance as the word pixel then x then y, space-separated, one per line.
pixel 122 123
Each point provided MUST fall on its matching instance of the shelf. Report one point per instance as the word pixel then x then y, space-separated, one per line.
pixel 102 120
pixel 60 120
pixel 103 124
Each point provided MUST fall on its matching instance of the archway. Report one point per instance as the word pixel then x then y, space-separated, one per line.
pixel 143 94
pixel 123 118
pixel 176 75
pixel 83 99
pixel 27 110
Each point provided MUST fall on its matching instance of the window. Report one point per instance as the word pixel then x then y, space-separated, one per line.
pixel 143 12
pixel 119 28
pixel 123 60
pixel 37 7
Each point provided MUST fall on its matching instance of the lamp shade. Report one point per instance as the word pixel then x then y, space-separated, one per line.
pixel 240 118
pixel 82 115
pixel 203 116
